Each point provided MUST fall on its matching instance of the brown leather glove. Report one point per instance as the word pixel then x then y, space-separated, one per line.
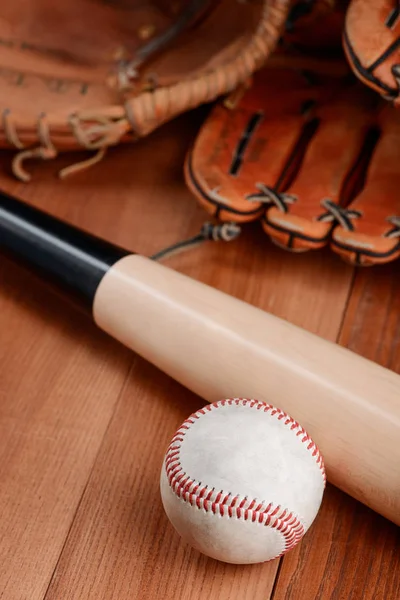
pixel 89 74
pixel 311 154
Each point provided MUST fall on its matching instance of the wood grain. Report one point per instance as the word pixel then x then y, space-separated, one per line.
pixel 372 323
pixel 121 544
pixel 82 440
pixel 59 383
pixel 353 553
pixel 155 561
pixel 60 377
pixel 220 347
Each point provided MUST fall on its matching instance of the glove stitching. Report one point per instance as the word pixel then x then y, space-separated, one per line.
pixel 342 215
pixel 268 195
pixel 395 232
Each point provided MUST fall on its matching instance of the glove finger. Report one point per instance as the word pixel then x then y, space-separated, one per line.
pixel 371 44
pixel 258 139
pixel 371 233
pixel 333 167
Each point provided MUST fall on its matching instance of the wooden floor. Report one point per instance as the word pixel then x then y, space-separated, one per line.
pixel 84 423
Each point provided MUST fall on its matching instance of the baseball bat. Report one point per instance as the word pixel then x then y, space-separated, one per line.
pixel 219 347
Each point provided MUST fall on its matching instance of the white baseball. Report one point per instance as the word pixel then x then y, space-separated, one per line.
pixel 241 481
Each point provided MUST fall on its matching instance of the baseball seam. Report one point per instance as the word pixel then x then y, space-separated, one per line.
pixel 224 503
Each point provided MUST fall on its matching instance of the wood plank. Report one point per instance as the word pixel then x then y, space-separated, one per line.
pixel 372 324
pixel 60 380
pixel 352 552
pixel 60 377
pixel 121 545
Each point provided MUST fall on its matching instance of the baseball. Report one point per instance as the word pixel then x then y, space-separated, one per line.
pixel 242 481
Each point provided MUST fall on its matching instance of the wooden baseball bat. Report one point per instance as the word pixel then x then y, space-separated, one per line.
pixel 218 347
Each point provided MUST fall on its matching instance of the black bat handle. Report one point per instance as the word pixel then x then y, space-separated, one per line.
pixel 72 259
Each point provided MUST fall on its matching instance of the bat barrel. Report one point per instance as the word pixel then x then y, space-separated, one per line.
pixel 70 258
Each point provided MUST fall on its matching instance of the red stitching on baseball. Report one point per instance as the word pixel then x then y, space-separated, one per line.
pixel 252 503
pixel 276 517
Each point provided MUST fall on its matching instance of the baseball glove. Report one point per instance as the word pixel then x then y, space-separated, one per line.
pixel 309 151
pixel 90 74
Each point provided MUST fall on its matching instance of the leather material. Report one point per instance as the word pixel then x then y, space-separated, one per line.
pixel 313 25
pixel 91 74
pixel 257 139
pixel 62 28
pixel 313 178
pixel 371 41
pixel 373 235
pixel 330 169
